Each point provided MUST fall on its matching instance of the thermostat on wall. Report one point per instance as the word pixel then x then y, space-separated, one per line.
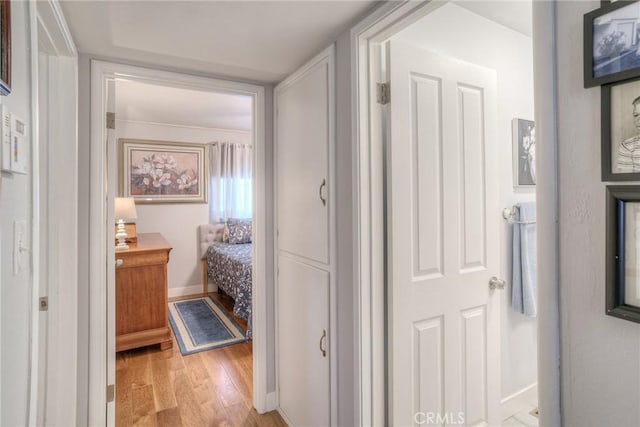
pixel 5 138
pixel 18 145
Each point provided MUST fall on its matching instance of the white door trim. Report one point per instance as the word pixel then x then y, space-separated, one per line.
pixel 546 95
pixel 100 233
pixel 52 393
pixel 369 231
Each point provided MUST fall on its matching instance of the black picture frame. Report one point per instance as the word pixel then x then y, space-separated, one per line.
pixel 5 47
pixel 590 77
pixel 616 242
pixel 611 134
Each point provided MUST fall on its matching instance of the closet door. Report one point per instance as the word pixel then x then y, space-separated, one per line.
pixel 303 328
pixel 302 143
pixel 305 229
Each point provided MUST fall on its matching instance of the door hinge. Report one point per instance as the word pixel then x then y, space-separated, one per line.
pixel 111 393
pixel 111 120
pixel 44 303
pixel 384 93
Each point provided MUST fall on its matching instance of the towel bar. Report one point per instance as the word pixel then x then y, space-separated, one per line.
pixel 507 213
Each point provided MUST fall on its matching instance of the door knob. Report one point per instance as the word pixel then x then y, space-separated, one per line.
pixel 495 283
pixel 119 262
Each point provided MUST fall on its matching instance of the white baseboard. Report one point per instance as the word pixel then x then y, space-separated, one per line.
pixel 272 401
pixel 518 401
pixel 189 290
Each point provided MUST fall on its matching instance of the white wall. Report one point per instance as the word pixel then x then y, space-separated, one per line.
pixel 600 355
pixel 15 204
pixel 488 44
pixel 178 222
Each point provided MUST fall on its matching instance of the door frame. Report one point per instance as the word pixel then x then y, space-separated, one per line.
pixel 53 364
pixel 101 348
pixel 369 188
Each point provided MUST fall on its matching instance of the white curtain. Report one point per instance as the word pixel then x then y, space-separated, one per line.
pixel 230 187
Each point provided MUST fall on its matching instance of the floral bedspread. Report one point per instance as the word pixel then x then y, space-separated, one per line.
pixel 229 266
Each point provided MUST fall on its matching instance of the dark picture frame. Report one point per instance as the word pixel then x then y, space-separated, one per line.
pixel 5 47
pixel 614 46
pixel 618 239
pixel 618 126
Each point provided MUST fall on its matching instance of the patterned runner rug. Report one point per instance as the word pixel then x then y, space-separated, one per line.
pixel 201 324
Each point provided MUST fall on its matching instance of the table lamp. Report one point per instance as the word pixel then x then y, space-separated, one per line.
pixel 125 208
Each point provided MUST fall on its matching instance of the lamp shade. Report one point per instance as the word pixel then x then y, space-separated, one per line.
pixel 125 208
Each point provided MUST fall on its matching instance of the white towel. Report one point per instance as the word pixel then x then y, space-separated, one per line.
pixel 524 286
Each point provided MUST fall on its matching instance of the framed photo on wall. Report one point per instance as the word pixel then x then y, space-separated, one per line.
pixel 623 252
pixel 612 43
pixel 524 153
pixel 620 126
pixel 163 172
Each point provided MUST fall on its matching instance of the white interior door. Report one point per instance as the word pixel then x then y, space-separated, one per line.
pixel 443 222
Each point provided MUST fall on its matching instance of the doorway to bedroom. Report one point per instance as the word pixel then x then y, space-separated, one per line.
pixel 183 277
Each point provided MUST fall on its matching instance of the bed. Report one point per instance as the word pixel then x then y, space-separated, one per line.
pixel 229 267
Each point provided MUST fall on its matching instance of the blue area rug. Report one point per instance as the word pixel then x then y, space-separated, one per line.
pixel 201 324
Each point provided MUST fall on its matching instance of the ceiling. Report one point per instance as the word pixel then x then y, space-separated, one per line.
pixel 255 40
pixel 143 102
pixel 514 14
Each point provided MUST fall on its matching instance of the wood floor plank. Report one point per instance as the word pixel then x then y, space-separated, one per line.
pixel 123 396
pixel 162 385
pixel 140 367
pixel 197 371
pixel 224 388
pixel 241 380
pixel 169 418
pixel 240 415
pixel 143 406
pixel 187 404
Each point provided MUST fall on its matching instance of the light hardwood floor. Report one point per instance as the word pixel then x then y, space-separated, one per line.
pixel 210 388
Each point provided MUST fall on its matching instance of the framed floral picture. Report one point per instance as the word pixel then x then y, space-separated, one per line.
pixel 163 172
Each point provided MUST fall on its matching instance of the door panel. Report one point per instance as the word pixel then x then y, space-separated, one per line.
pixel 303 137
pixel 428 347
pixel 303 315
pixel 442 204
pixel 426 95
pixel 470 125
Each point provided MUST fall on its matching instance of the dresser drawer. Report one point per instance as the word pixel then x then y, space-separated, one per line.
pixel 141 259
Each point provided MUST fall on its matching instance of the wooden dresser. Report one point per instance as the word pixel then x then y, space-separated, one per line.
pixel 141 294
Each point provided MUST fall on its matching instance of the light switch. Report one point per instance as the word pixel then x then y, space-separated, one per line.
pixel 19 245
